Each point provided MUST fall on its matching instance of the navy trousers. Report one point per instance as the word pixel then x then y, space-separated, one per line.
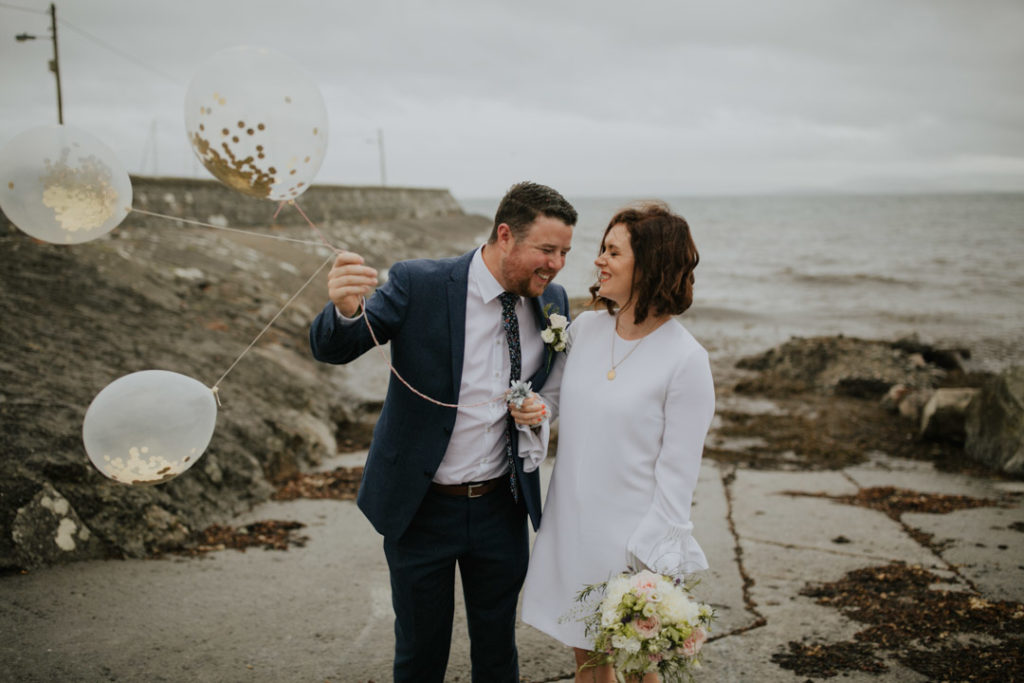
pixel 488 539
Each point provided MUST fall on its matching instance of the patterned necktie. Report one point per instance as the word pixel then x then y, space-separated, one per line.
pixel 511 325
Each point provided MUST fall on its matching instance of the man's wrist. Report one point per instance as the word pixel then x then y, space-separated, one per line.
pixel 358 312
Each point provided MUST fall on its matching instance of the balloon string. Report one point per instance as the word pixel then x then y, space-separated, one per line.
pixel 268 326
pixel 216 386
pixel 376 343
pixel 394 371
pixel 313 225
pixel 323 242
pixel 227 229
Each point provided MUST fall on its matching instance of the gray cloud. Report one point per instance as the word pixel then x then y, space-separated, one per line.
pixel 598 97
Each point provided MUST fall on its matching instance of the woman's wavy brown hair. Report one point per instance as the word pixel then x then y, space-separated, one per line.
pixel 664 258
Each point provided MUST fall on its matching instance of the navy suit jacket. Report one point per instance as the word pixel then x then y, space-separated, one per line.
pixel 421 310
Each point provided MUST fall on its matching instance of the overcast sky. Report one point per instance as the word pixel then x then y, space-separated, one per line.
pixel 594 98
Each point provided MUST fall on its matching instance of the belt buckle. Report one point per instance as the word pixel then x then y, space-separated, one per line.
pixel 471 487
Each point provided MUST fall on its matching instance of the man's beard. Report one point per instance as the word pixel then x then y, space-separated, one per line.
pixel 523 285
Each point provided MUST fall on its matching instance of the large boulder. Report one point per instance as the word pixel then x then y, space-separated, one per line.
pixel 995 423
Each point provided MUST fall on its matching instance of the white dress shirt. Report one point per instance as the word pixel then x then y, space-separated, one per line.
pixel 476 451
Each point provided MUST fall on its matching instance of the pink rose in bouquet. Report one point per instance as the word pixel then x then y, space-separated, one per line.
pixel 691 646
pixel 645 583
pixel 648 627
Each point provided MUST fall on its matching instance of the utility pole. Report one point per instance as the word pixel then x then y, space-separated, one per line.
pixel 55 62
pixel 151 145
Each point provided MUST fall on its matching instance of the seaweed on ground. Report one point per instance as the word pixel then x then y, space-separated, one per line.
pixel 945 634
pixel 267 534
pixel 895 501
pixel 341 483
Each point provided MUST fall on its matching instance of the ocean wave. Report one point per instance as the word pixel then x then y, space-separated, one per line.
pixel 846 279
pixel 712 312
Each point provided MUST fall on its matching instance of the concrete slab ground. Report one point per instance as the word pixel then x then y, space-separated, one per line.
pixel 322 612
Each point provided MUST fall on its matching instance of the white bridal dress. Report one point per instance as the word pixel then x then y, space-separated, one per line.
pixel 629 453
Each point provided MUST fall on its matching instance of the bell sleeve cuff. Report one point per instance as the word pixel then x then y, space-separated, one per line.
pixel 667 548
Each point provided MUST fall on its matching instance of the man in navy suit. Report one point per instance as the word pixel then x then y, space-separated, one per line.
pixel 445 486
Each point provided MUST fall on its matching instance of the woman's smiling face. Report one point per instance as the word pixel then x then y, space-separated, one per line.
pixel 615 265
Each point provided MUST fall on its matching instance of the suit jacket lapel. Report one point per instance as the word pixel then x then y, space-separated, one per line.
pixel 537 305
pixel 457 285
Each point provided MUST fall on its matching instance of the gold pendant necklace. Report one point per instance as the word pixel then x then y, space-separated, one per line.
pixel 615 333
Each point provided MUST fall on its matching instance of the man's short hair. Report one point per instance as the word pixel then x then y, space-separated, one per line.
pixel 524 202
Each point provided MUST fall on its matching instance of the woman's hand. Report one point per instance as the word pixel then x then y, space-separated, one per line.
pixel 532 413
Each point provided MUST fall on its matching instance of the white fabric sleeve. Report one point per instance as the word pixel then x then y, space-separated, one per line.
pixel 533 442
pixel 663 541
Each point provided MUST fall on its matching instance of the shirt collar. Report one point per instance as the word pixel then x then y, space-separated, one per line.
pixel 480 277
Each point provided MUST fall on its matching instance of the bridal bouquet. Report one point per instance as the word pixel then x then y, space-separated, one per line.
pixel 648 623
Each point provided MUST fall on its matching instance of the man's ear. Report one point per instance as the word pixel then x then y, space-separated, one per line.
pixel 505 237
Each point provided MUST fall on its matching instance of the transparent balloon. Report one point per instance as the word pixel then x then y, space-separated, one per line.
pixel 257 122
pixel 148 427
pixel 62 185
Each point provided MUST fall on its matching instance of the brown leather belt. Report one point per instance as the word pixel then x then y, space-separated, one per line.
pixel 468 490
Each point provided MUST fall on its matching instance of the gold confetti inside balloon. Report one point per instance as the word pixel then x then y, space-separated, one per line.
pixel 257 121
pixel 62 185
pixel 148 427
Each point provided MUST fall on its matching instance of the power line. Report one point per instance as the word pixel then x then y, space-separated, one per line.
pixel 98 41
pixel 24 9
pixel 120 53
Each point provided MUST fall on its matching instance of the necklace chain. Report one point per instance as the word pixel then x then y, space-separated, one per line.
pixel 615 332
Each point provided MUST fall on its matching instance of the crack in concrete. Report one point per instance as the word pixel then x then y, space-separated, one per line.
pixel 751 606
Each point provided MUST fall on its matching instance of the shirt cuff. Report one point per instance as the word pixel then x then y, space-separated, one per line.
pixel 338 315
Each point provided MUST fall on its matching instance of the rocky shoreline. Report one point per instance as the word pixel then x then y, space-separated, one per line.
pixel 186 299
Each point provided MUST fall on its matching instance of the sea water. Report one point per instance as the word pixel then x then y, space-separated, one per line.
pixel 947 268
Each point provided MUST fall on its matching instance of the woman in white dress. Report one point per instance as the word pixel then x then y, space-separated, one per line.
pixel 635 403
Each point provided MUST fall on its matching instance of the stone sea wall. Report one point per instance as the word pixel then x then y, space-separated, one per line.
pixel 211 202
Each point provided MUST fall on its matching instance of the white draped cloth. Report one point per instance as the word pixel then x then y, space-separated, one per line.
pixel 629 453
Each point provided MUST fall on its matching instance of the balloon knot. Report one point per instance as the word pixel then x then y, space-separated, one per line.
pixel 216 395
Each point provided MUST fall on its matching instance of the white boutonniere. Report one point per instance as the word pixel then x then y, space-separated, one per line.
pixel 553 335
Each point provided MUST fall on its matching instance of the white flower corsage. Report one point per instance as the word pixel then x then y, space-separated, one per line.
pixel 553 335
